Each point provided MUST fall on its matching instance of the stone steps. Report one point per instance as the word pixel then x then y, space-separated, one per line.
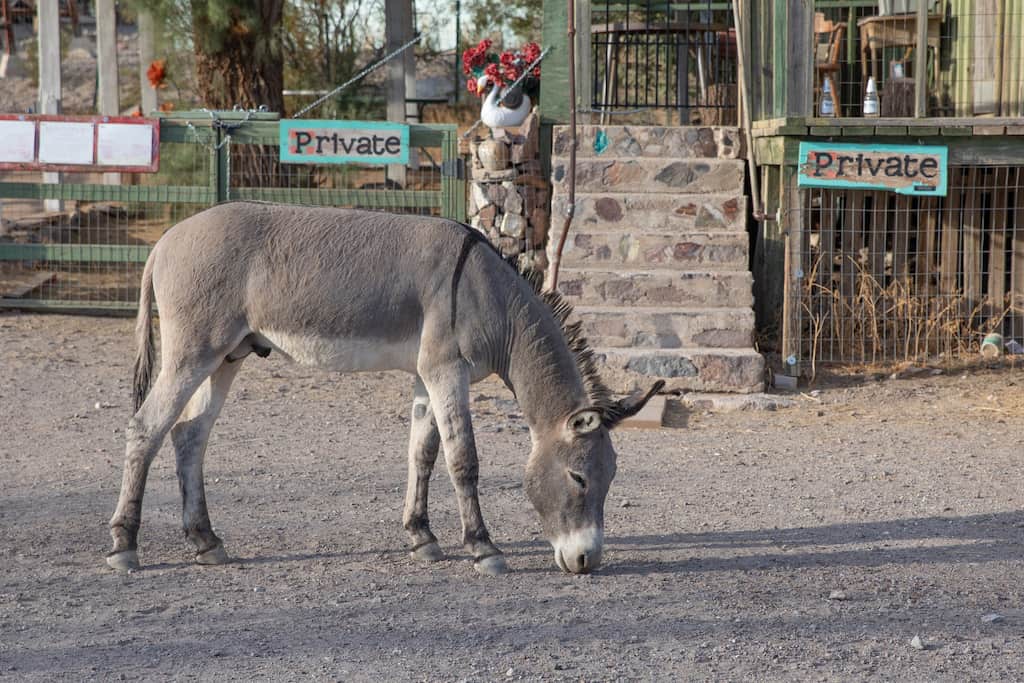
pixel 631 212
pixel 650 176
pixel 710 251
pixel 654 142
pixel 666 328
pixel 658 287
pixel 739 370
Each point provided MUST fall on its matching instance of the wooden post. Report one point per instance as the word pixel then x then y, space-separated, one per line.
pixel 793 219
pixel 106 62
pixel 49 77
pixel 921 62
pixel 800 59
pixel 147 54
pixel 584 58
pixel 398 28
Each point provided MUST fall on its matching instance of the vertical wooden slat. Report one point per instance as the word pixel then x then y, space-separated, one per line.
pixel 921 62
pixel 951 217
pixel 826 244
pixel 792 207
pixel 999 217
pixel 1017 262
pixel 901 239
pixel 927 259
pixel 876 244
pixel 972 240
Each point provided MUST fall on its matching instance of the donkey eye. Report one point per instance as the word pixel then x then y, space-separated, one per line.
pixel 578 478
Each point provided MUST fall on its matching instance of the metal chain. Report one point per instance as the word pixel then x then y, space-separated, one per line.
pixel 370 69
pixel 526 72
pixel 225 125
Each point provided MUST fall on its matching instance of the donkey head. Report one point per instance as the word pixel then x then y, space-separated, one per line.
pixel 568 475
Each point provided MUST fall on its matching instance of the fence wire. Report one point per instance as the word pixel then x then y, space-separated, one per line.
pixel 679 58
pixel 974 62
pixel 889 277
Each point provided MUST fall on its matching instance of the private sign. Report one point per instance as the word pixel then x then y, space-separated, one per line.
pixel 904 169
pixel 343 142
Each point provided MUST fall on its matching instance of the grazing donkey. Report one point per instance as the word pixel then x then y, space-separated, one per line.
pixel 350 291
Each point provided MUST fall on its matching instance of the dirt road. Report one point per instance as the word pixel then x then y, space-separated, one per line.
pixel 900 499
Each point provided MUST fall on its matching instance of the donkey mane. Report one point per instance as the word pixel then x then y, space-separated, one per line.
pixel 598 393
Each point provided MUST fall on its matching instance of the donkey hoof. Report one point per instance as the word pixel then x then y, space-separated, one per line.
pixel 428 552
pixel 124 561
pixel 492 565
pixel 215 555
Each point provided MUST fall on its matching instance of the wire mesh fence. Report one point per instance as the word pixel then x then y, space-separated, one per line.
pixel 888 277
pixel 81 244
pixel 973 57
pixel 677 57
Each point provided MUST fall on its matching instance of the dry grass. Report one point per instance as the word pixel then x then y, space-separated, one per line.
pixel 894 324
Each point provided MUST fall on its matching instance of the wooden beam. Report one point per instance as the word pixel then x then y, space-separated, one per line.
pixel 147 53
pixel 49 76
pixel 921 62
pixel 398 29
pixel 800 59
pixel 106 66
pixel 793 218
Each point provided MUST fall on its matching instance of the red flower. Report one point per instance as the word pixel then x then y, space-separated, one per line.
pixel 492 72
pixel 156 73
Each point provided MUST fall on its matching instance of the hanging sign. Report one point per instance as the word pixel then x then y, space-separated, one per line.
pixel 79 143
pixel 904 169
pixel 343 142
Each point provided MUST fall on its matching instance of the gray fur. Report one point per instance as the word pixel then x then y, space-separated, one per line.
pixel 351 291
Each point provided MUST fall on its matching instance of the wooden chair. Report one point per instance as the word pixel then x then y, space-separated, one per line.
pixel 828 44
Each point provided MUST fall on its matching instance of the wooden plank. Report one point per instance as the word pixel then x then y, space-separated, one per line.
pixel 895 131
pixel 49 102
pixel 793 217
pixel 859 131
pixel 824 131
pixel 998 226
pixel 879 226
pixel 1017 258
pixel 921 63
pixel 826 239
pixel 927 239
pixel 901 239
pixel 147 54
pixel 800 66
pixel 989 130
pixel 77 253
pixel 956 131
pixel 951 221
pixel 106 68
pixel 37 280
pixel 972 222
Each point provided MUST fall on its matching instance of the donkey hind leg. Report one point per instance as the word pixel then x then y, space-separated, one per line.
pixel 424 441
pixel 189 437
pixel 146 431
pixel 448 387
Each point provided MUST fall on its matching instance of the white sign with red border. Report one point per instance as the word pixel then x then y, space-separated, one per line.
pixel 79 143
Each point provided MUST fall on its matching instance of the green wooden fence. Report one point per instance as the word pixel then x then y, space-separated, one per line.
pixel 88 256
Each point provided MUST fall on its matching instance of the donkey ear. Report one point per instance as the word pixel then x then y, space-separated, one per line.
pixel 630 406
pixel 584 421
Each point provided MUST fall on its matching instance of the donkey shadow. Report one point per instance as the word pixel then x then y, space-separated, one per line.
pixel 991 537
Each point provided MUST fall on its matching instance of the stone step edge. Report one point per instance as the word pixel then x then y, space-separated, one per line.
pixel 682 310
pixel 719 402
pixel 665 272
pixel 734 351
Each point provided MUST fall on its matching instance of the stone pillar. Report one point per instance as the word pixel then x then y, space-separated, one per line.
pixel 509 196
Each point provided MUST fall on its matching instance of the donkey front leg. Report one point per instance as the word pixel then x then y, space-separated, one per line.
pixel 190 436
pixel 448 388
pixel 424 441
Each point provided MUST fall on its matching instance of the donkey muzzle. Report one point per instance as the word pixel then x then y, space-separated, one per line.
pixel 579 551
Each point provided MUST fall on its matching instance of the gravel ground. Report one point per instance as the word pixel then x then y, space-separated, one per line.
pixel 873 531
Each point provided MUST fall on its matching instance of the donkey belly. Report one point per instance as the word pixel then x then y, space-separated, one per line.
pixel 344 354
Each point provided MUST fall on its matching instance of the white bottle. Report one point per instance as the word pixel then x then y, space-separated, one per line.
pixel 827 105
pixel 871 99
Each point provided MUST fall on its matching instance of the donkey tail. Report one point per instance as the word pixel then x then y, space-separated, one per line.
pixel 145 348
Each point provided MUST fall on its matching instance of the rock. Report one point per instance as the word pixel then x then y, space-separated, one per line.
pixel 493 155
pixel 837 595
pixel 992 618
pixel 513 200
pixel 478 193
pixel 917 643
pixel 513 225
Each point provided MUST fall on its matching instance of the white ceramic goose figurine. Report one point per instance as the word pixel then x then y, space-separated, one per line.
pixel 495 115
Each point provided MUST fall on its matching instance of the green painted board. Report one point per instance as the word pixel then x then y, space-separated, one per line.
pixel 904 169
pixel 78 253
